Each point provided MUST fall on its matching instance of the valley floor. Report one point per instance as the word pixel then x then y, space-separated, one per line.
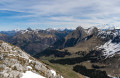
pixel 65 70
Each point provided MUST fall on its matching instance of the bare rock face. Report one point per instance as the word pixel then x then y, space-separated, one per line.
pixel 14 63
pixel 72 38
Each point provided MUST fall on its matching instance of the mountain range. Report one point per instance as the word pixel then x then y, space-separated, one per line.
pixel 34 41
pixel 91 52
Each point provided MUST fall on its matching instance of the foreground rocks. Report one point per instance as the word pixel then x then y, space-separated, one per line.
pixel 14 62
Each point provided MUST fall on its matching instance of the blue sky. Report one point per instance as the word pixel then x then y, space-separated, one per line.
pixel 42 14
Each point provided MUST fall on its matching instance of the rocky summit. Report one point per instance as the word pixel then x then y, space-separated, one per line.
pixel 15 63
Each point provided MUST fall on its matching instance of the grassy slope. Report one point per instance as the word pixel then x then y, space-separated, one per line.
pixel 64 70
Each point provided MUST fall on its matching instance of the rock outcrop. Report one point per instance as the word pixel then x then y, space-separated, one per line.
pixel 14 63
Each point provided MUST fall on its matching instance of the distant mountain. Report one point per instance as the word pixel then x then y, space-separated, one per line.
pixel 34 41
pixel 111 46
pixel 3 37
pixel 15 63
pixel 72 38
pixel 10 33
pixel 80 39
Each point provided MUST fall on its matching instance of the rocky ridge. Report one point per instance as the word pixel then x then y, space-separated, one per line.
pixel 14 63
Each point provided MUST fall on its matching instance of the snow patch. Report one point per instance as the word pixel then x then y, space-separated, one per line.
pixel 90 30
pixel 29 67
pixel 30 61
pixel 30 74
pixel 110 49
pixel 112 76
pixel 54 73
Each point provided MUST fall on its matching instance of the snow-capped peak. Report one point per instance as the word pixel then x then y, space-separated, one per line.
pixel 90 30
pixel 29 31
pixel 50 29
pixel 17 30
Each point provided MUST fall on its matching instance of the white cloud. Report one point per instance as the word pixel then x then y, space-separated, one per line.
pixel 67 12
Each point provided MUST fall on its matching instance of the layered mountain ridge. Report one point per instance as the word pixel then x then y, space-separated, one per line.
pixel 35 41
pixel 96 47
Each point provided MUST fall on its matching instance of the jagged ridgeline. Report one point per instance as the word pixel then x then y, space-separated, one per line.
pixel 15 63
pixel 34 41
